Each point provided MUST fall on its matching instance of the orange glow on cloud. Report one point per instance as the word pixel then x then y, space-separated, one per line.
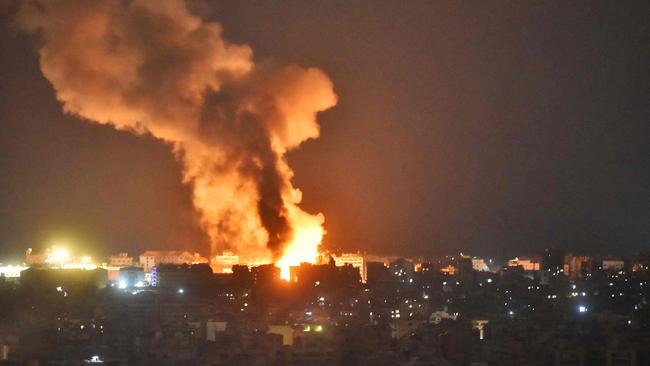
pixel 152 66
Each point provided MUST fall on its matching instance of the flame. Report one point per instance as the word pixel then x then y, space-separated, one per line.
pixel 307 237
pixel 230 120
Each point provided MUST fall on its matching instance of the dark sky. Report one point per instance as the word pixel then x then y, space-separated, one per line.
pixel 495 128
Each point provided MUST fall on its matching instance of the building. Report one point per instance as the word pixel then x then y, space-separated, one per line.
pixel 120 260
pixel 613 264
pixel 131 277
pixel 38 278
pixel 152 258
pixel 377 273
pixel 479 264
pixel 180 277
pixel 553 260
pixel 286 331
pixel 577 266
pixel 402 268
pixel 527 263
pixel 353 259
pixel 11 272
pixel 223 263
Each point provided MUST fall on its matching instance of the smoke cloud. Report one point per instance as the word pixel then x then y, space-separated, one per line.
pixel 151 66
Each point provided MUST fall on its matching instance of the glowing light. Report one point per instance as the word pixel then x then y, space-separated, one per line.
pixel 122 284
pixel 11 271
pixel 180 291
pixel 95 359
pixel 582 309
pixel 58 255
pixel 303 248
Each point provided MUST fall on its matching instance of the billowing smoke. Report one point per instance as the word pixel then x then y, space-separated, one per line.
pixel 152 66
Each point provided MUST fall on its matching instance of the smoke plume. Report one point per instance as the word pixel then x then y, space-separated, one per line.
pixel 151 66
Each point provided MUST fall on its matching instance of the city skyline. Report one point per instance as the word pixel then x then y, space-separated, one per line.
pixel 447 150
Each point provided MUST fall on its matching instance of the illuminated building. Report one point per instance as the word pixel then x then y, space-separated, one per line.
pixel 120 260
pixel 528 264
pixel 478 264
pixel 223 263
pixel 59 257
pixel 11 272
pixel 576 266
pixel 613 264
pixel 152 258
pixel 355 260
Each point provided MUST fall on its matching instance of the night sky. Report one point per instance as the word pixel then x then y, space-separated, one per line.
pixel 493 128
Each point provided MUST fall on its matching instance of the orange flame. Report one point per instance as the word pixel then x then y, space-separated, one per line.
pixel 307 237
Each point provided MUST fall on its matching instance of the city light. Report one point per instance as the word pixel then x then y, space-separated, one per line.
pixel 11 271
pixel 59 255
pixel 582 309
pixel 95 359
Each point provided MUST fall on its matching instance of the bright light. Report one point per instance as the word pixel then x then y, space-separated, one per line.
pixel 180 291
pixel 11 271
pixel 303 248
pixel 318 328
pixel 95 359
pixel 139 284
pixel 582 309
pixel 122 284
pixel 59 289
pixel 58 255
pixel 489 280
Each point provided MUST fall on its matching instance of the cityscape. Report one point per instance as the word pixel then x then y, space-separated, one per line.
pixel 324 183
pixel 178 308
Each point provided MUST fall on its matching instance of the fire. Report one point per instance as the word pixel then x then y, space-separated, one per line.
pixel 303 248
pixel 231 121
